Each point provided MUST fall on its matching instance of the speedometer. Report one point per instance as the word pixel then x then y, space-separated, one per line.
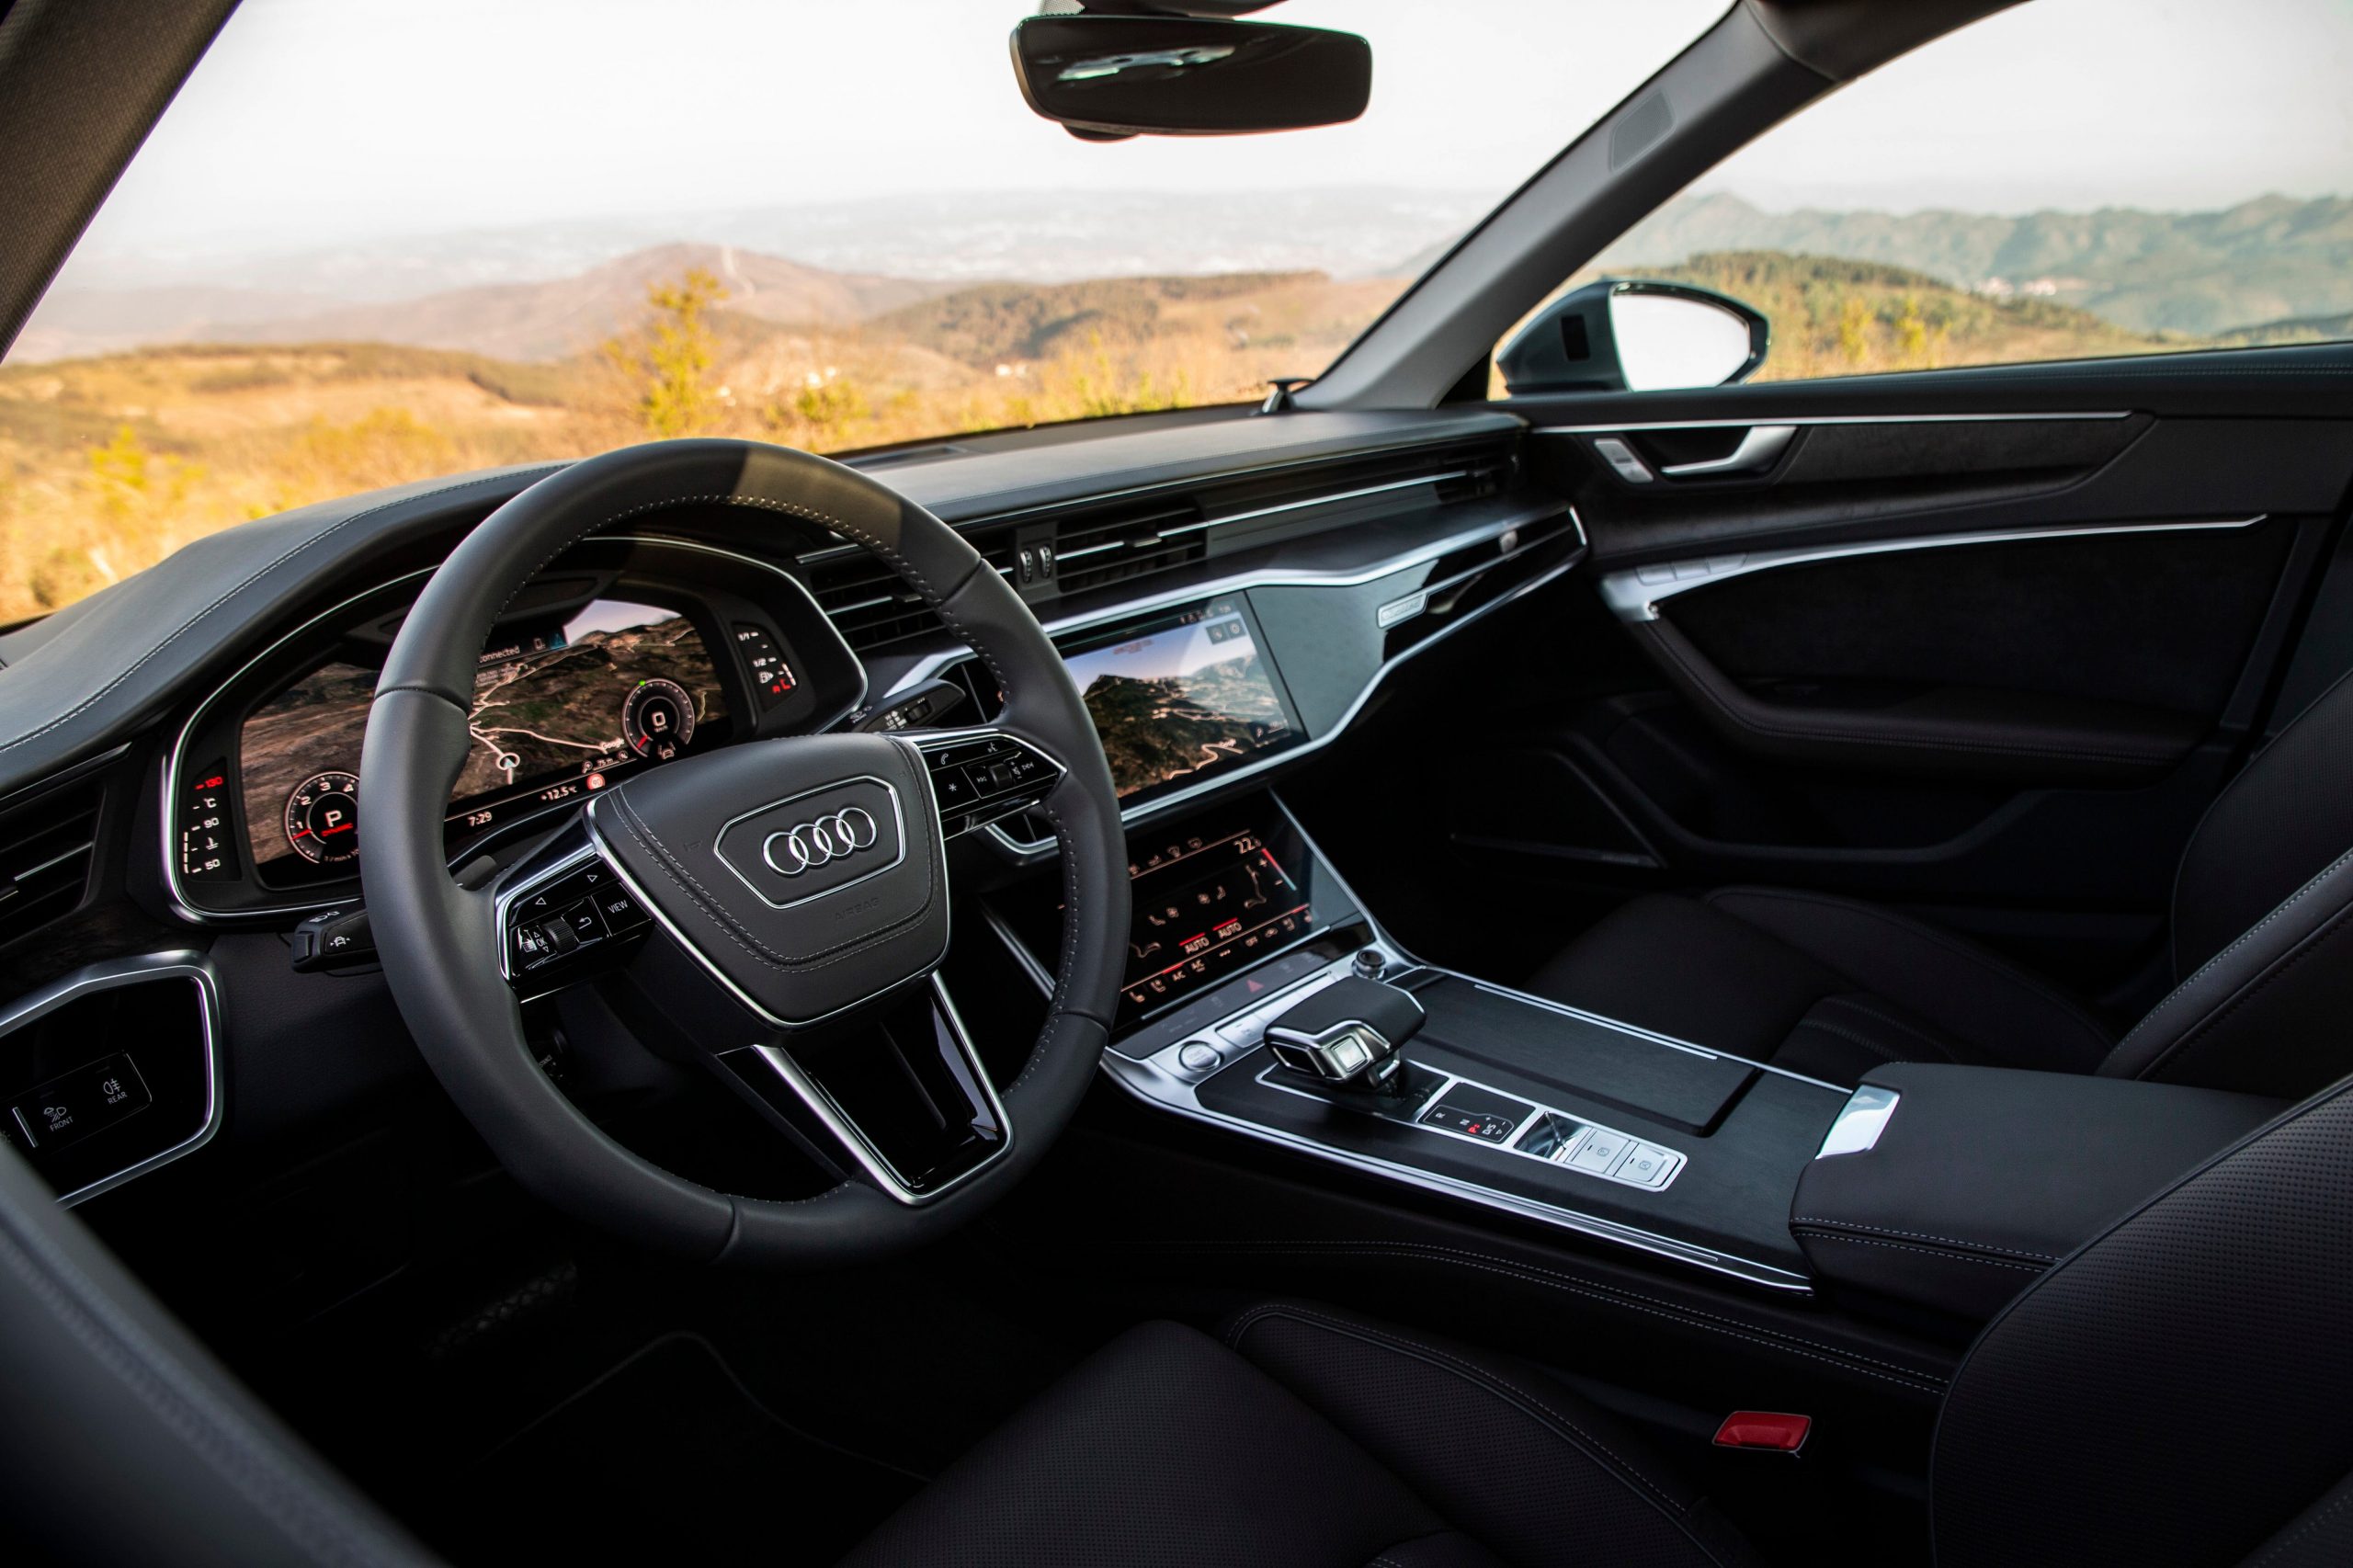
pixel 657 719
pixel 323 817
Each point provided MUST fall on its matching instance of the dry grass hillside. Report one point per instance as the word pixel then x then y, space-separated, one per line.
pixel 109 462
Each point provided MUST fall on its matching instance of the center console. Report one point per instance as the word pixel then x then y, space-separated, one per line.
pixel 1501 1099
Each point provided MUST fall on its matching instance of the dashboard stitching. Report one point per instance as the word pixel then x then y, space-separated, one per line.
pixel 259 572
pixel 753 947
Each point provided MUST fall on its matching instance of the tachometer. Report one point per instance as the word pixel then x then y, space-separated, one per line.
pixel 657 719
pixel 323 817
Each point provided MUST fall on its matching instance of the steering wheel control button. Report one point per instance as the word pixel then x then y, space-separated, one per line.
pixel 84 1101
pixel 807 845
pixel 978 781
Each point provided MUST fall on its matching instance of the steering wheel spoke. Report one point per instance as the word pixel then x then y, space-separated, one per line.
pixel 985 774
pixel 900 1092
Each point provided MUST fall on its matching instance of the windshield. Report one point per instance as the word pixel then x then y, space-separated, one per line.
pixel 375 241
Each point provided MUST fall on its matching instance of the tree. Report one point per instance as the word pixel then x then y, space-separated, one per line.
pixel 668 362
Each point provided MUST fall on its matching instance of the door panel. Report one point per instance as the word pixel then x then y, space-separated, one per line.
pixel 2073 607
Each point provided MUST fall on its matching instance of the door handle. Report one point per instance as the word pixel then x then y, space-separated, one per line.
pixel 1759 451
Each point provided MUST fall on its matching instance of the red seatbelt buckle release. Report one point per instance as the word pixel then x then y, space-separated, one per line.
pixel 1765 1430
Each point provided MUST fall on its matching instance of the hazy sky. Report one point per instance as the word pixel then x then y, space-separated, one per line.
pixel 321 121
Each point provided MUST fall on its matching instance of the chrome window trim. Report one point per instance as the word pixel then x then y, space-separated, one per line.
pixel 107 976
pixel 1622 426
pixel 1634 593
pixel 186 908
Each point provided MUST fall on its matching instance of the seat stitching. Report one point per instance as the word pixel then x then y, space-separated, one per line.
pixel 1468 1370
pixel 1884 1052
pixel 1914 1030
pixel 2202 1031
pixel 2273 1549
pixel 1612 1295
pixel 1921 1236
pixel 1931 1252
pixel 1925 933
pixel 2249 934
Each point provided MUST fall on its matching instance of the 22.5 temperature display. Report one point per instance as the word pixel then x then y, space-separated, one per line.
pixel 1204 908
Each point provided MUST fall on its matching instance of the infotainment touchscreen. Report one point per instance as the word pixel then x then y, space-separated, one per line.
pixel 1181 696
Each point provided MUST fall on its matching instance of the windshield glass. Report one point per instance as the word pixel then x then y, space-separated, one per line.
pixel 374 242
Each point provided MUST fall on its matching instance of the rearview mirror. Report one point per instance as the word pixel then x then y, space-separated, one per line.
pixel 1634 334
pixel 1109 77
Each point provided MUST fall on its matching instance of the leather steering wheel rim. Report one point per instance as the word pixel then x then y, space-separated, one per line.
pixel 440 943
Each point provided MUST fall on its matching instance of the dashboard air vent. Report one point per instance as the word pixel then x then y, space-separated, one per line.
pixel 46 848
pixel 1094 547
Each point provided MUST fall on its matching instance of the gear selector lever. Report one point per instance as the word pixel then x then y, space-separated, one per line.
pixel 1348 1034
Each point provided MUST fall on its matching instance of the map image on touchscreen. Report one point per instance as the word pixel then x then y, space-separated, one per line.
pixel 1175 700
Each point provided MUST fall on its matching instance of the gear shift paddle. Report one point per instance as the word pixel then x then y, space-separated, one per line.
pixel 1348 1034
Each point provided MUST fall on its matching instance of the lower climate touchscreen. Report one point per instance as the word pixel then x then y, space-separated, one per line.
pixel 1181 696
pixel 1206 907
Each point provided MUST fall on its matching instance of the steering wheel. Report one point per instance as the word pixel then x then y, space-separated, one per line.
pixel 768 960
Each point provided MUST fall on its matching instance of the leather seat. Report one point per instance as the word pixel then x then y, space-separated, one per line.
pixel 1309 1436
pixel 1831 988
pixel 2169 1396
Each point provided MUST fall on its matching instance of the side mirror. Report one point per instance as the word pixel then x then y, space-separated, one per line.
pixel 1629 334
pixel 1107 77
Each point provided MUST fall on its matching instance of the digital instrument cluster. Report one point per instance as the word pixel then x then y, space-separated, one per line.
pixel 559 711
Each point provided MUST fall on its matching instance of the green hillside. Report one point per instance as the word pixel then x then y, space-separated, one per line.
pixel 1833 316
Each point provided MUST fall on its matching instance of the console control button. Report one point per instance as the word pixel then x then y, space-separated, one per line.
pixel 1485 1126
pixel 1647 1165
pixel 1600 1150
pixel 1196 1056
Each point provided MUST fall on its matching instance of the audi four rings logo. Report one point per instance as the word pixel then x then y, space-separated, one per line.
pixel 809 845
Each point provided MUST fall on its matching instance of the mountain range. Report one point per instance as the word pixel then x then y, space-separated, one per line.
pixel 2198 273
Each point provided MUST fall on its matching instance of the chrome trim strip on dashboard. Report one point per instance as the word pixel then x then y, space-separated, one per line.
pixel 928 667
pixel 843 1126
pixel 175 893
pixel 1280 507
pixel 1634 593
pixel 116 972
pixel 1801 419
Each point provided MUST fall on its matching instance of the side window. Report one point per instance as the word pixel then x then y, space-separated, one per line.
pixel 2072 179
